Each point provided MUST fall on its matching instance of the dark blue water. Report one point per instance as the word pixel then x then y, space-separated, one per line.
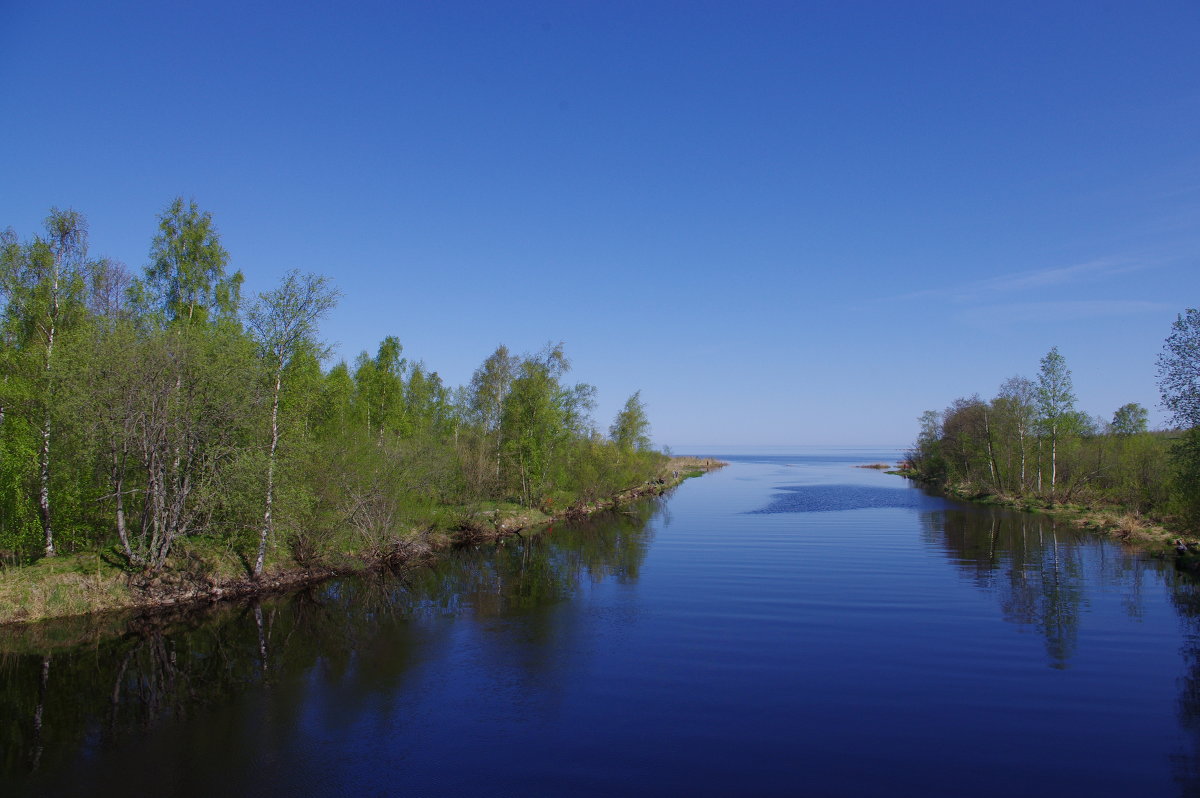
pixel 790 625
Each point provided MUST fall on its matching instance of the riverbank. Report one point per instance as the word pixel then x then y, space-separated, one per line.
pixel 203 572
pixel 1112 521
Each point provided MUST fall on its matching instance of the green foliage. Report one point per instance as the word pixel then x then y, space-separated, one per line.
pixel 1179 369
pixel 925 457
pixel 1130 419
pixel 1055 394
pixel 175 428
pixel 186 279
pixel 1179 384
pixel 43 283
pixel 1185 457
pixel 533 420
pixel 1029 443
pixel 19 528
pixel 379 388
pixel 283 323
pixel 630 431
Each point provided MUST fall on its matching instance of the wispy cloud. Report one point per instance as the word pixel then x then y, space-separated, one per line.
pixel 1066 310
pixel 1027 280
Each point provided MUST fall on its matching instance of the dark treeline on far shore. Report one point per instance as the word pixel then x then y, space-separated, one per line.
pixel 140 411
pixel 1031 444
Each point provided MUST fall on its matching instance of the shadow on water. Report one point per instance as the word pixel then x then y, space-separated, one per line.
pixel 831 498
pixel 71 690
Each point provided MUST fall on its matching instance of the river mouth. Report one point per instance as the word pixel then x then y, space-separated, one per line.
pixel 788 625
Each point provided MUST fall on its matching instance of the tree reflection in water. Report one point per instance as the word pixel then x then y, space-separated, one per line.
pixel 1034 566
pixel 1186 598
pixel 72 688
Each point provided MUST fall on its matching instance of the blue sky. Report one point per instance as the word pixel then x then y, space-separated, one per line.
pixel 785 223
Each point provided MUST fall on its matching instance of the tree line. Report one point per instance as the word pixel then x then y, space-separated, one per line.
pixel 1031 443
pixel 136 411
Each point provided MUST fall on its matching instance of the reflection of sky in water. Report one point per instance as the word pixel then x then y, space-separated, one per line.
pixel 753 629
pixel 830 498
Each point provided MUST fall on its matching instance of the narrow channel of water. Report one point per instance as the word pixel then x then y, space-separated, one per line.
pixel 789 625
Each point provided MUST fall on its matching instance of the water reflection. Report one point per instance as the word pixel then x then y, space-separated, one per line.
pixel 1039 569
pixel 1041 572
pixel 74 688
pixel 1186 598
pixel 552 664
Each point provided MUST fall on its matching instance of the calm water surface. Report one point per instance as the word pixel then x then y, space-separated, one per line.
pixel 790 625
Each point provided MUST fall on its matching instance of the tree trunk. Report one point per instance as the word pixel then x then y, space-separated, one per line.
pixel 987 428
pixel 262 639
pixel 1039 465
pixel 1021 444
pixel 44 458
pixel 118 682
pixel 43 694
pixel 44 488
pixel 1053 458
pixel 118 481
pixel 267 522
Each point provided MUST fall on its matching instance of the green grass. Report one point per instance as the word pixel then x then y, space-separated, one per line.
pixel 97 582
pixel 71 584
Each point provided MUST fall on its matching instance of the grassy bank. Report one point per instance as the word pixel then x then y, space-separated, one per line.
pixel 1154 534
pixel 203 569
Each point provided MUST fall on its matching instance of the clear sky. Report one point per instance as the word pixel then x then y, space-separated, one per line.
pixel 785 222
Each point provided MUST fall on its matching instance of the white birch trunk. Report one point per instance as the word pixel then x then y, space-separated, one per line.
pixel 44 455
pixel 267 522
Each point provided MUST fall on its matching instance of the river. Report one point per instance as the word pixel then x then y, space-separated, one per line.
pixel 789 625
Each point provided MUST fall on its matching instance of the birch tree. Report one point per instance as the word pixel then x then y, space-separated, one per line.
pixel 379 388
pixel 44 286
pixel 186 279
pixel 284 322
pixel 195 393
pixel 1129 419
pixel 534 420
pixel 1016 404
pixel 1055 403
pixel 630 430
pixel 489 389
pixel 1179 370
pixel 1179 385
pixel 193 378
